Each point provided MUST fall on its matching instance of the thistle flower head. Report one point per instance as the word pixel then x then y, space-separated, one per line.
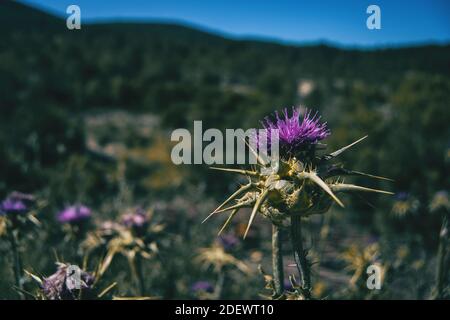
pixel 296 133
pixel 12 206
pixel 16 202
pixel 74 214
pixel 136 219
pixel 59 286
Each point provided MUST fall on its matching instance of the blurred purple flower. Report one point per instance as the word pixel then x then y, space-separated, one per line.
pixel 74 214
pixel 295 133
pixel 56 287
pixel 12 206
pixel 202 286
pixel 136 219
pixel 16 202
pixel 228 241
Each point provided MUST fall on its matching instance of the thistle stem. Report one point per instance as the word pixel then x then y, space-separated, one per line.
pixel 219 285
pixel 300 255
pixel 277 261
pixel 442 265
pixel 17 262
pixel 140 275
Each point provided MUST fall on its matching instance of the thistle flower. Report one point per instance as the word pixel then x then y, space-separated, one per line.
pixel 136 219
pixel 15 203
pixel 202 286
pixel 59 285
pixel 295 133
pixel 300 184
pixel 74 214
pixel 134 236
pixel 10 205
pixel 16 217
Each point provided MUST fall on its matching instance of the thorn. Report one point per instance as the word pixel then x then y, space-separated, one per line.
pixel 240 171
pixel 236 206
pixel 232 214
pixel 258 158
pixel 351 187
pixel 371 175
pixel 258 203
pixel 338 152
pixel 316 179
pixel 234 195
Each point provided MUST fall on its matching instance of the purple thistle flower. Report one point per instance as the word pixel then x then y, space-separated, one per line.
pixel 58 285
pixel 295 133
pixel 74 214
pixel 12 206
pixel 137 219
pixel 228 241
pixel 202 286
pixel 16 202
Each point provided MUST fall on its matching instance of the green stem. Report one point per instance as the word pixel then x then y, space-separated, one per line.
pixel 219 285
pixel 140 275
pixel 277 261
pixel 17 262
pixel 300 255
pixel 442 265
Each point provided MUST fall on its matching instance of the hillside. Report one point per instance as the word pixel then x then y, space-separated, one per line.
pixel 181 74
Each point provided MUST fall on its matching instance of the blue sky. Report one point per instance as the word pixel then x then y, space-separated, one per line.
pixel 341 22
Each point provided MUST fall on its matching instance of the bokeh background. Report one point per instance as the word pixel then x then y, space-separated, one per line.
pixel 86 117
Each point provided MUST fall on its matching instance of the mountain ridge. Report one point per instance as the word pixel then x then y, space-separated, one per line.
pixel 19 16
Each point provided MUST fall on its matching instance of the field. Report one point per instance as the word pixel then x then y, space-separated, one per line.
pixel 87 178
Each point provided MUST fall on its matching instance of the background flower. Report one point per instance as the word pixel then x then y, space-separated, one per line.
pixel 73 214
